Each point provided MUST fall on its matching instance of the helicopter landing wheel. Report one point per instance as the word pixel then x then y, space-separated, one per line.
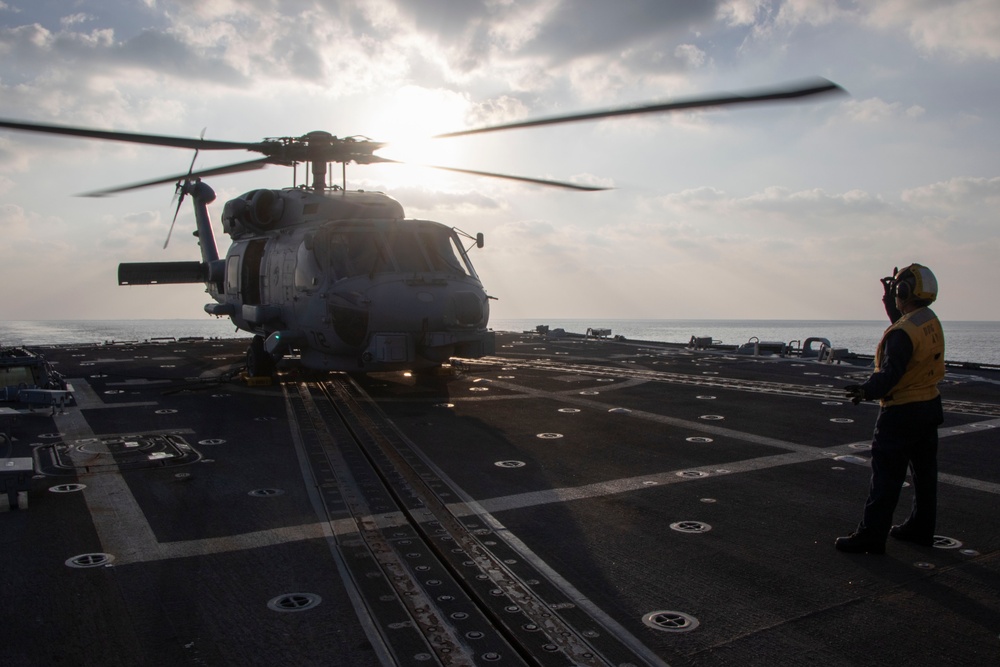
pixel 259 362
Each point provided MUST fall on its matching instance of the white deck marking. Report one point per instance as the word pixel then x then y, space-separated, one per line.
pixel 121 525
pixel 800 454
pixel 124 532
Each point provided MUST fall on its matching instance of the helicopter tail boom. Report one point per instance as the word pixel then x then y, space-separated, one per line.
pixel 162 273
pixel 208 271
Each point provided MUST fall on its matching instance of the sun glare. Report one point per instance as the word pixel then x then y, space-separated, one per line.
pixel 411 117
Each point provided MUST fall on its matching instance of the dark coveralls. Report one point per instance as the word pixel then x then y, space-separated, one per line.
pixel 906 435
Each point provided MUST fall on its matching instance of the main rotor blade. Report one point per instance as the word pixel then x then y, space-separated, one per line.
pixel 490 174
pixel 215 171
pixel 818 87
pixel 109 135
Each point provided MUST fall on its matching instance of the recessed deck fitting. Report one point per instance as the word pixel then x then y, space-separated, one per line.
pixel 90 560
pixel 670 621
pixel 690 527
pixel 67 488
pixel 942 542
pixel 294 602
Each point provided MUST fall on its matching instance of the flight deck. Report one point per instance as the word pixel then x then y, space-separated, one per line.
pixel 568 501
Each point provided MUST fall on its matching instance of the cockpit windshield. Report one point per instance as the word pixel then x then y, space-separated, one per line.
pixel 444 251
pixel 349 249
pixel 345 253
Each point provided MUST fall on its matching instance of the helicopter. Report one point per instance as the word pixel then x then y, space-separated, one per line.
pixel 342 279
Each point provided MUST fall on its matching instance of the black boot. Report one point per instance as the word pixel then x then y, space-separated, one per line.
pixel 855 543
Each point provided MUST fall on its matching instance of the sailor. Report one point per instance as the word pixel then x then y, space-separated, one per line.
pixel 909 363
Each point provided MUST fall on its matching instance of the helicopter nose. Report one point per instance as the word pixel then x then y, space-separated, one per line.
pixel 467 308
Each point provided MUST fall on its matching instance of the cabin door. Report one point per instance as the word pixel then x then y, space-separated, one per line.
pixel 250 272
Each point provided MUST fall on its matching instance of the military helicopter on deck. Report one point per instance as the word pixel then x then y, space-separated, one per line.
pixel 343 278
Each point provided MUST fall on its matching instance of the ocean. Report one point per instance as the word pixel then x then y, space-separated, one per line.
pixel 977 342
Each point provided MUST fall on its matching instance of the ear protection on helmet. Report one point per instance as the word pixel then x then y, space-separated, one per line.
pixel 903 289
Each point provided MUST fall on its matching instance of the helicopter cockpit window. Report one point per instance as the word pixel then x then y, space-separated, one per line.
pixel 308 274
pixel 345 253
pixel 443 250
pixel 406 249
pixel 366 254
pixel 232 274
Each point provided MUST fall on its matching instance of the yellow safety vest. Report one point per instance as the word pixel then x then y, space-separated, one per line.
pixel 926 366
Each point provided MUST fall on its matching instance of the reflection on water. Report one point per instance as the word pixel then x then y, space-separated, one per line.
pixel 58 332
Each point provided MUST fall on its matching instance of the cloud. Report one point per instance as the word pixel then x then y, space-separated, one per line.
pixel 427 200
pixel 585 27
pixel 12 218
pixel 75 19
pixel 29 238
pixel 141 234
pixel 953 29
pixel 872 110
pixel 772 206
pixel 769 20
pixel 740 12
pixel 496 111
pixel 957 192
pixel 905 168
pixel 99 53
pixel 957 29
pixel 691 55
pixel 960 208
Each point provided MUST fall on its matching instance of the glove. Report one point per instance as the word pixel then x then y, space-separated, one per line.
pixel 888 283
pixel 855 392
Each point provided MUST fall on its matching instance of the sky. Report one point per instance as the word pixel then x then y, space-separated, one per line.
pixel 781 211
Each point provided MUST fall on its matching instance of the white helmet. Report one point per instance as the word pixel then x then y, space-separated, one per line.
pixel 916 282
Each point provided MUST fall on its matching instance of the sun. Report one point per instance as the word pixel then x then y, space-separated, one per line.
pixel 411 116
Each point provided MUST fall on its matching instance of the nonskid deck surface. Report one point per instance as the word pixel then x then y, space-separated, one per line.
pixel 568 501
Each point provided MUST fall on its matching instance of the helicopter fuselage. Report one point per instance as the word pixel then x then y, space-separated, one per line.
pixel 342 279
